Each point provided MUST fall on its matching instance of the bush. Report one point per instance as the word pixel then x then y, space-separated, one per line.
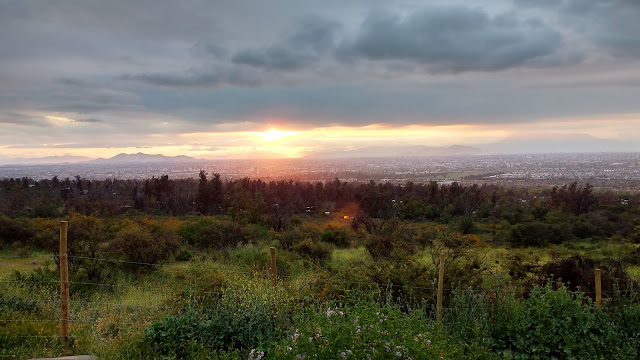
pixel 577 272
pixel 317 251
pixel 15 231
pixel 365 330
pixel 210 233
pixel 537 233
pixel 556 324
pixel 136 244
pixel 184 255
pixel 240 318
pixel 337 237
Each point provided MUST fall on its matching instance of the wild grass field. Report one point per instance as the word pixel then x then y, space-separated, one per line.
pixel 352 295
pixel 180 269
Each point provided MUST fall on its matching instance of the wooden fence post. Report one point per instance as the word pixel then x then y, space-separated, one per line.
pixel 440 284
pixel 598 274
pixel 64 286
pixel 274 270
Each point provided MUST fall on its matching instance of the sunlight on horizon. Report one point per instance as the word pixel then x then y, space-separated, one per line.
pixel 291 141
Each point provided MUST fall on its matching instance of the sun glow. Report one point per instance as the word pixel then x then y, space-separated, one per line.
pixel 272 135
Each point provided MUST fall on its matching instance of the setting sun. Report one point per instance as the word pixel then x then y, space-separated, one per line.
pixel 274 135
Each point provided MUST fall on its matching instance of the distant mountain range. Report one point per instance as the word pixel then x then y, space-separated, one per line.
pixel 557 143
pixel 48 160
pixel 540 143
pixel 397 151
pixel 141 158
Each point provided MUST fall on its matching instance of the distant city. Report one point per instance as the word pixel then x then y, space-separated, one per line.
pixel 614 171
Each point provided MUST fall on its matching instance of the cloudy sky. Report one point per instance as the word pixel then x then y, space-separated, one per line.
pixel 287 78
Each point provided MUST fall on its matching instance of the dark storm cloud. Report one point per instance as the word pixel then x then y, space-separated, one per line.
pixel 198 63
pixel 90 98
pixel 89 120
pixel 23 119
pixel 312 38
pixel 199 78
pixel 612 25
pixel 207 48
pixel 451 38
pixel 454 39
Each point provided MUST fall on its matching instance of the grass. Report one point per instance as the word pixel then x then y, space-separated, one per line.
pixel 110 321
pixel 9 265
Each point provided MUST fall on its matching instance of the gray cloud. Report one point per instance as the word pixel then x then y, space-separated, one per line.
pixel 611 25
pixel 192 64
pixel 84 99
pixel 23 119
pixel 311 39
pixel 199 78
pixel 89 120
pixel 454 39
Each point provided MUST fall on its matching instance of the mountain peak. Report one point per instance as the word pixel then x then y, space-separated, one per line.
pixel 142 158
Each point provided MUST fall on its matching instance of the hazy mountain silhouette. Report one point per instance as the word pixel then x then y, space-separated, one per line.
pixel 47 160
pixel 141 158
pixel 556 143
pixel 398 151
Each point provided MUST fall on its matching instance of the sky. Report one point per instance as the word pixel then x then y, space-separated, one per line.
pixel 292 78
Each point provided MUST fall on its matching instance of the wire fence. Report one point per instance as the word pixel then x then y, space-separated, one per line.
pixel 43 325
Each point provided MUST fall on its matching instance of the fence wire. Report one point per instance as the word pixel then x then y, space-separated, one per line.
pixel 171 292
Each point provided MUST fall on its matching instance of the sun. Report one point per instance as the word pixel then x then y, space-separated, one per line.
pixel 272 135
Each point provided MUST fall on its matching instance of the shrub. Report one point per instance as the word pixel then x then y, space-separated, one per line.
pixel 136 244
pixel 558 324
pixel 337 237
pixel 210 233
pixel 241 317
pixel 184 255
pixel 537 233
pixel 577 272
pixel 391 242
pixel 318 251
pixel 365 330
pixel 15 231
pixel 289 238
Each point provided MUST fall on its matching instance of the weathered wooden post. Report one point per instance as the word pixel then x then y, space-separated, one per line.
pixel 440 284
pixel 64 286
pixel 598 274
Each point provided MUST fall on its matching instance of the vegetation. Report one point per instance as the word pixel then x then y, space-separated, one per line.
pixel 179 269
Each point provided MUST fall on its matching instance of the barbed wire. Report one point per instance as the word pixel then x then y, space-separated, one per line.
pixel 265 274
pixel 26 256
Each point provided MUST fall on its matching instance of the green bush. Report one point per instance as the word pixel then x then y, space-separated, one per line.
pixel 337 237
pixel 558 324
pixel 15 231
pixel 208 232
pixel 318 251
pixel 242 317
pixel 365 330
pixel 184 255
pixel 137 244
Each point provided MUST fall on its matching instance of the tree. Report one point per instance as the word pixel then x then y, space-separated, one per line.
pixel 203 200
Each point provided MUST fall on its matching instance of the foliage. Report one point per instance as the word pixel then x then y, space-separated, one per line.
pixel 208 232
pixel 365 330
pixel 464 262
pixel 577 273
pixel 337 237
pixel 241 317
pixel 14 231
pixel 137 244
pixel 318 251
